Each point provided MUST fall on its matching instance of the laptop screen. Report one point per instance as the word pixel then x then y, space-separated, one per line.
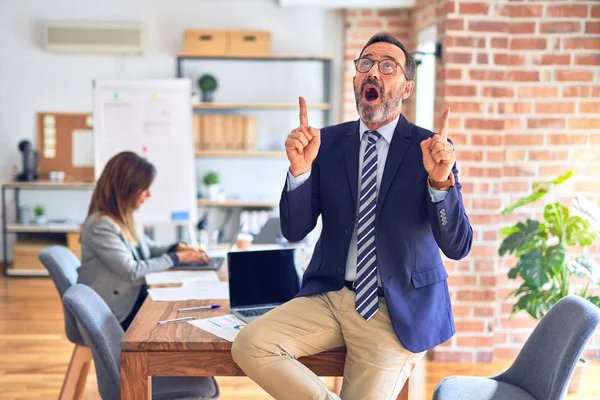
pixel 262 277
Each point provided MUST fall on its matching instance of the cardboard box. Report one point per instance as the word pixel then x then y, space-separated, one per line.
pixel 249 43
pixel 205 43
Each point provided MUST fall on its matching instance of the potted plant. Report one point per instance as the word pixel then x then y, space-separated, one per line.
pixel 207 84
pixel 40 214
pixel 545 261
pixel 212 183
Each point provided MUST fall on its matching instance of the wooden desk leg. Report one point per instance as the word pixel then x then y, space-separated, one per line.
pixel 135 381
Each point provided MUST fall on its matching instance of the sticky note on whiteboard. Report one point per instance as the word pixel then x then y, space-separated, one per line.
pixel 180 216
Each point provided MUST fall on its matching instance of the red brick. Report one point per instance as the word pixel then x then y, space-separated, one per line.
pixel 482 59
pixel 596 12
pixel 589 107
pixel 574 75
pixel 466 106
pixel 506 353
pixel 520 11
pixel 486 75
pixel 560 27
pixel 494 156
pixel 544 123
pixel 499 43
pixel 489 124
pixel 498 92
pixel 485 219
pixel 552 59
pixel 596 139
pixel 525 170
pixel 488 280
pixel 568 11
pixel 521 28
pixel 509 59
pixel 464 41
pixel 461 310
pixel 459 139
pixel 486 204
pixel 453 73
pixel 592 59
pixel 460 90
pixel 548 155
pixel 459 58
pixel 581 91
pixel 454 356
pixel 555 108
pixel 485 266
pixel 523 76
pixel 584 123
pixel 475 295
pixel 537 92
pixel 528 44
pixel 406 25
pixel 587 187
pixel 523 140
pixel 515 155
pixel 487 140
pixel 488 26
pixel 475 341
pixel 515 187
pixel 474 155
pixel 485 356
pixel 473 8
pixel 570 139
pixel 469 326
pixel 592 27
pixel 514 108
pixel 582 43
pixel 369 24
pixel 512 124
pixel 453 24
pixel 551 171
pixel 461 280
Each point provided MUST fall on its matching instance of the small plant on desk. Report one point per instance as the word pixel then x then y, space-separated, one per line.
pixel 211 180
pixel 207 84
pixel 40 214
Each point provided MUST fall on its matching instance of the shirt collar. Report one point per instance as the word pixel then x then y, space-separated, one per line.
pixel 386 131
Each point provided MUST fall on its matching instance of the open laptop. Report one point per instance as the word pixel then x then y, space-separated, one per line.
pixel 215 262
pixel 261 280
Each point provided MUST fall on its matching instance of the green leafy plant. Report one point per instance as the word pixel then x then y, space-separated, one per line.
pixel 207 83
pixel 39 210
pixel 211 178
pixel 542 247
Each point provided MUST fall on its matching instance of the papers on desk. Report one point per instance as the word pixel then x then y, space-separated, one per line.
pixel 224 326
pixel 167 277
pixel 192 291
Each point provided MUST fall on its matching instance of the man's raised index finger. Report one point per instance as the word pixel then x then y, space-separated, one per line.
pixel 303 112
pixel 445 124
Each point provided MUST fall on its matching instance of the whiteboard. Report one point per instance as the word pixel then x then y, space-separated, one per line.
pixel 152 118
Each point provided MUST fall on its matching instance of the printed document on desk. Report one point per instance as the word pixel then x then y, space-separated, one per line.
pixel 224 326
pixel 167 277
pixel 195 291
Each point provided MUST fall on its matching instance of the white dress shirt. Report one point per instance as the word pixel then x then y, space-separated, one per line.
pixel 382 146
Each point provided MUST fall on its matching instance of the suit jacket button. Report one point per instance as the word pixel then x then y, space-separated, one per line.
pixel 341 270
pixel 348 232
pixel 116 292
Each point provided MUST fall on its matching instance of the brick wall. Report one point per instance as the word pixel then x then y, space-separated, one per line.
pixel 523 83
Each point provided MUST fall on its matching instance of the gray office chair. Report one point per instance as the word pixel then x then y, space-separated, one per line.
pixel 103 332
pixel 62 265
pixel 544 365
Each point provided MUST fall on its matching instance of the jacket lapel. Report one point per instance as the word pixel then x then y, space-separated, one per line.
pixel 398 147
pixel 351 150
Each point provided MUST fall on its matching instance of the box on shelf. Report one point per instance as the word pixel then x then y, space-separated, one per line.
pixel 249 44
pixel 224 132
pixel 205 42
pixel 220 43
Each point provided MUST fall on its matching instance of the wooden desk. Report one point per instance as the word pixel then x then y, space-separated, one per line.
pixel 181 349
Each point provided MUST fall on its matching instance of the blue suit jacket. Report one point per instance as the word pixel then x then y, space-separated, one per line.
pixel 410 229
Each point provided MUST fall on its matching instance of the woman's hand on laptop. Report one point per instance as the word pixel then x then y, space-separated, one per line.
pixel 192 255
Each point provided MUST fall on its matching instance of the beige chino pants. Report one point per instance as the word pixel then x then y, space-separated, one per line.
pixel 377 365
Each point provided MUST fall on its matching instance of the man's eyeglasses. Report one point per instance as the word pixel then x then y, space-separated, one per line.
pixel 386 67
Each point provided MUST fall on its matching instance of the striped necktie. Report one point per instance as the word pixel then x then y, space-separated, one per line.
pixel 367 300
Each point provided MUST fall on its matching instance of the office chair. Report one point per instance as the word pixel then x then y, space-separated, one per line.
pixel 102 331
pixel 62 265
pixel 545 364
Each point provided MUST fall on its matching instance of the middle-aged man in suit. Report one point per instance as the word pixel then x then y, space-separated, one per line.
pixel 389 197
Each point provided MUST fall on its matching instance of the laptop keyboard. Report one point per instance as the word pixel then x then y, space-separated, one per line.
pixel 255 312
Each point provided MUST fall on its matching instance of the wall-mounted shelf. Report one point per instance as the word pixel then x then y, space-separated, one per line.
pixel 49 185
pixel 235 204
pixel 266 106
pixel 256 58
pixel 49 228
pixel 240 153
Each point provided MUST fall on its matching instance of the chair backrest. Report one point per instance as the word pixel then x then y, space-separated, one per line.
pixel 102 333
pixel 548 358
pixel 62 265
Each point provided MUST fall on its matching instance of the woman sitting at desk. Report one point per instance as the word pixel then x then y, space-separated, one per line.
pixel 115 257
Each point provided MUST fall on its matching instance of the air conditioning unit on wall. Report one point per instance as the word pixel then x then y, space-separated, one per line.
pixel 107 38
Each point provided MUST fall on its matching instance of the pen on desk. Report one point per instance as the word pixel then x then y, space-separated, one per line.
pixel 200 308
pixel 174 320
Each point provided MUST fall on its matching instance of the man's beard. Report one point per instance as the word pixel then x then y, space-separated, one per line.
pixel 373 114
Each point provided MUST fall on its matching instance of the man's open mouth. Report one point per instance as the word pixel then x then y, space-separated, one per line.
pixel 371 93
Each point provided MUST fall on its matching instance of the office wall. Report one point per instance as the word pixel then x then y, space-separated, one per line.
pixel 33 80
